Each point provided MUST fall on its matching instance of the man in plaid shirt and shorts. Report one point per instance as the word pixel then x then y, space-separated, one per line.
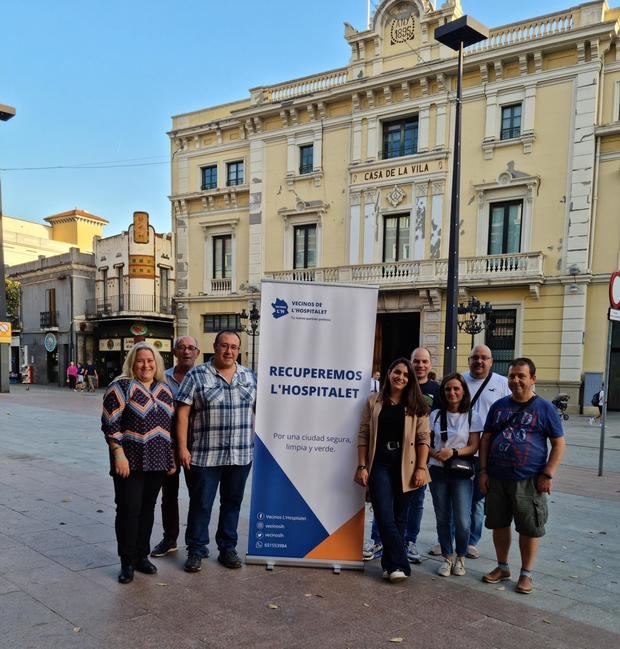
pixel 215 428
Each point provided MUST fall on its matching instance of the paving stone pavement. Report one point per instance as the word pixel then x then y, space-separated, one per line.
pixel 58 563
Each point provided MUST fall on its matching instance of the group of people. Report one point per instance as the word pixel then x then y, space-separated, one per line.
pixel 80 377
pixel 472 436
pixel 156 421
pixel 413 432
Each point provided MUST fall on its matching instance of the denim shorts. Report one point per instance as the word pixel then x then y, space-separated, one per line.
pixel 519 500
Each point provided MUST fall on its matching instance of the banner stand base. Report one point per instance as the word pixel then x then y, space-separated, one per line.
pixel 335 565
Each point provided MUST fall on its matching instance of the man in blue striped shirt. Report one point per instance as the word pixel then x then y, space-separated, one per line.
pixel 215 428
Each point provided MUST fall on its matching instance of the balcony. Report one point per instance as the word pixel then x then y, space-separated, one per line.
pixel 128 304
pixel 493 270
pixel 49 319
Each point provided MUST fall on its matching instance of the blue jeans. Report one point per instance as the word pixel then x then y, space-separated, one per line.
pixel 390 505
pixel 202 484
pixel 414 518
pixel 452 499
pixel 477 508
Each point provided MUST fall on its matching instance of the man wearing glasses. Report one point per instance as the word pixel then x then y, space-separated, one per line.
pixel 485 388
pixel 185 352
pixel 215 428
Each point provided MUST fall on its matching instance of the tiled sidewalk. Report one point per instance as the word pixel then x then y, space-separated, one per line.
pixel 58 563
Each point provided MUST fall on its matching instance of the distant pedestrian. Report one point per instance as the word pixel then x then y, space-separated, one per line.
pixel 138 410
pixel 516 470
pixel 375 382
pixel 92 378
pixel 72 373
pixel 80 379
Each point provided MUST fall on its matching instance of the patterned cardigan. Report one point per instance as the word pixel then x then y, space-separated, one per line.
pixel 140 420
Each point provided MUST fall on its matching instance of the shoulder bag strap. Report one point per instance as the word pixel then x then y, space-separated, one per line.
pixel 480 389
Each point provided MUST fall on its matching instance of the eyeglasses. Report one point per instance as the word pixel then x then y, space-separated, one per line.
pixel 225 346
pixel 186 348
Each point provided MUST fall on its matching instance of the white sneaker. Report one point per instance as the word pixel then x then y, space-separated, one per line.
pixel 372 550
pixel 435 550
pixel 458 567
pixel 445 568
pixel 412 553
pixel 397 575
pixel 472 552
pixel 386 574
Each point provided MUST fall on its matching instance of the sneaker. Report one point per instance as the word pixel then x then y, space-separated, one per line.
pixel 163 548
pixel 397 575
pixel 372 551
pixel 525 585
pixel 412 553
pixel 435 550
pixel 230 559
pixel 193 563
pixel 496 575
pixel 386 574
pixel 445 568
pixel 458 567
pixel 472 552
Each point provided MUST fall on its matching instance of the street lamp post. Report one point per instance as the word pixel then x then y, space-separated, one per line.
pixel 6 113
pixel 477 317
pixel 456 35
pixel 251 329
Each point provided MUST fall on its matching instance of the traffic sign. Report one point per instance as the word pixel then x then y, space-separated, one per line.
pixel 614 290
pixel 5 332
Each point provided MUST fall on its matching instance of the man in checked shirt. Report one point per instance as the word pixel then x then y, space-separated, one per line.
pixel 215 428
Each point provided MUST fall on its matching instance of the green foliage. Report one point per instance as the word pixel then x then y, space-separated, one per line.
pixel 12 297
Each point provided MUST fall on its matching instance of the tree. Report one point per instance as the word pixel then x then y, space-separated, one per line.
pixel 12 297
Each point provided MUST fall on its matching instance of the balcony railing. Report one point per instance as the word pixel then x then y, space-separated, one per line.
pixel 49 319
pixel 127 303
pixel 298 87
pixel 534 29
pixel 221 286
pixel 511 269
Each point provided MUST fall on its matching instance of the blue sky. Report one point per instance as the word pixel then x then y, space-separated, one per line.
pixel 95 83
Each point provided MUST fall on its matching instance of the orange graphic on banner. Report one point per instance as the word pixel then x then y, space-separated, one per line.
pixel 344 544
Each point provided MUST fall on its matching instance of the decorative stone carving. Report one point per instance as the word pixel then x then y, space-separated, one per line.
pixel 355 198
pixel 405 88
pixel 387 93
pixel 370 98
pixel 396 196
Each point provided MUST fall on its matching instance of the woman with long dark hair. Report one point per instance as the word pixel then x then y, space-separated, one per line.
pixel 455 433
pixel 393 445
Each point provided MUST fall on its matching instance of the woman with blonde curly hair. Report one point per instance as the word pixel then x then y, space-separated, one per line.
pixel 138 410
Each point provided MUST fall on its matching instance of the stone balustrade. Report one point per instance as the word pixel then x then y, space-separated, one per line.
pixel 529 30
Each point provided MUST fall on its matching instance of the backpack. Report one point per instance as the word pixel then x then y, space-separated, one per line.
pixel 596 398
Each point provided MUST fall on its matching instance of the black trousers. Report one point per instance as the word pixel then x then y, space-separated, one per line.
pixel 170 506
pixel 135 498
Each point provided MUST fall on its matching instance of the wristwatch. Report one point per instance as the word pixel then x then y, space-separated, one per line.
pixel 455 452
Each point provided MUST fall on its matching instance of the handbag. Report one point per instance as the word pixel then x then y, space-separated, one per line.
pixel 457 467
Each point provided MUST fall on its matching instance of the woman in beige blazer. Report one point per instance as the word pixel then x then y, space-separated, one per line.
pixel 393 443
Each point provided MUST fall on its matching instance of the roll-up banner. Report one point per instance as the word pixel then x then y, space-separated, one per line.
pixel 314 368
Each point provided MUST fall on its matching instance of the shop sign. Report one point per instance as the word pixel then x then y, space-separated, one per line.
pixel 160 344
pixel 138 329
pixel 128 343
pixel 50 342
pixel 110 345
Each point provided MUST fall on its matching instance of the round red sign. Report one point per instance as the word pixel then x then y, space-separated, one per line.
pixel 614 290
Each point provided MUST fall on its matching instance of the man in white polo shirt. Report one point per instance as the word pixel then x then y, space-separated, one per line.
pixel 485 388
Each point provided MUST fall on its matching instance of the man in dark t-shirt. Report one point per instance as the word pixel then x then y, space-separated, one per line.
pixel 516 470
